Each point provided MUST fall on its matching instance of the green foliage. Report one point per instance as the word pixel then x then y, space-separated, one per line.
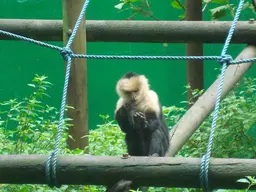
pixel 28 126
pixel 136 7
pixel 221 8
pixel 235 126
pixel 251 181
pixel 221 11
pixel 108 141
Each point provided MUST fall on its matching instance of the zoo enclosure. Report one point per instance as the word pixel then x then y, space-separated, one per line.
pixel 249 52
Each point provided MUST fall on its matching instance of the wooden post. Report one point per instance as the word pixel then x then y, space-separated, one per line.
pixel 195 68
pixel 77 90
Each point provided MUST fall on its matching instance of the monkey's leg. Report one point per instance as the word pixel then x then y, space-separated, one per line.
pixel 133 143
pixel 120 186
pixel 154 155
pixel 156 146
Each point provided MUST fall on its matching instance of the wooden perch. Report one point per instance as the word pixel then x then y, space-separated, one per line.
pixel 153 171
pixel 136 31
pixel 193 118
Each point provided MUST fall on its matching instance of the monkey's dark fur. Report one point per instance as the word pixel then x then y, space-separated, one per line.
pixel 139 115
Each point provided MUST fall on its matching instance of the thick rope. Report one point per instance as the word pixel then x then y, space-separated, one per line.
pixel 146 57
pixel 67 51
pixel 225 59
pixel 30 40
pixel 78 22
pixel 51 164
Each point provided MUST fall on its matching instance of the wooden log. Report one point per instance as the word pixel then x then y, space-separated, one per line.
pixel 77 89
pixel 193 118
pixel 194 68
pixel 147 171
pixel 136 31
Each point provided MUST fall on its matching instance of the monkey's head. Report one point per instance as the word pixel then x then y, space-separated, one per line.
pixel 132 86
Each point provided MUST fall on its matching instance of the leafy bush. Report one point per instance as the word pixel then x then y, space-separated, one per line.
pixel 234 137
pixel 28 126
pixel 107 139
pixel 218 8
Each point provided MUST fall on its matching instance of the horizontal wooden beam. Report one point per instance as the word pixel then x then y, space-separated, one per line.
pixel 147 171
pixel 136 31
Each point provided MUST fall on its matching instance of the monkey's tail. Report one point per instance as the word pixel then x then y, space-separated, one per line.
pixel 120 186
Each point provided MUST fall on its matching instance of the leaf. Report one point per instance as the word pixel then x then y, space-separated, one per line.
pixel 24 189
pixel 243 181
pixel 70 136
pixel 181 17
pixel 132 1
pixel 176 5
pixel 251 179
pixel 119 6
pixel 219 12
pixel 221 190
pixel 219 1
pixel 31 85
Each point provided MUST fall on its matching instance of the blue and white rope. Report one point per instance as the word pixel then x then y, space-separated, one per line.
pixel 145 57
pixel 30 40
pixel 206 158
pixel 65 51
pixel 78 22
pixel 51 164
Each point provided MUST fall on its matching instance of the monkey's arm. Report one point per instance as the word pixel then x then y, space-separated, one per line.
pixel 124 117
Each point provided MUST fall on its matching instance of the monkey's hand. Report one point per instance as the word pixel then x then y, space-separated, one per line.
pixel 130 105
pixel 140 120
pixel 128 109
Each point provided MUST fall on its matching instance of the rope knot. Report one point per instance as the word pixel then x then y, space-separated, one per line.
pixel 225 59
pixel 66 52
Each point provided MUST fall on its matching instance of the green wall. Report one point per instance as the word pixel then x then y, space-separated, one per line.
pixel 20 61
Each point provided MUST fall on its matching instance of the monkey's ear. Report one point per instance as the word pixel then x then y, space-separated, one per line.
pixel 144 81
pixel 143 76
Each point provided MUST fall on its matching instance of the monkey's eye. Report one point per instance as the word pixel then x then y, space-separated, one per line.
pixel 135 91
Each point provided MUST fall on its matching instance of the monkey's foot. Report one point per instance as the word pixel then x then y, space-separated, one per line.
pixel 154 155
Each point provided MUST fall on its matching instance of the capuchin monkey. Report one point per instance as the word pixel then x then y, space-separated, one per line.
pixel 139 115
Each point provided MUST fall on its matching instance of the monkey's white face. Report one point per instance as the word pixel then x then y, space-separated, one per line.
pixel 133 88
pixel 131 95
